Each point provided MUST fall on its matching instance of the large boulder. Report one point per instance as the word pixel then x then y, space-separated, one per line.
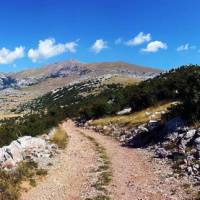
pixel 26 148
pixel 28 142
pixel 16 151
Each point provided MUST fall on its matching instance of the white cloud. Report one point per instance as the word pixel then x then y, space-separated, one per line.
pixel 155 46
pixel 183 47
pixel 48 48
pixel 118 41
pixel 139 39
pixel 99 45
pixel 7 56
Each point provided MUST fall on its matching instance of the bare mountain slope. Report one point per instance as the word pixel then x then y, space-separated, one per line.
pixel 119 65
pixel 81 70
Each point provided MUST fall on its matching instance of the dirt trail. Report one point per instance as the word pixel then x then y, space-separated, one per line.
pixel 70 178
pixel 133 177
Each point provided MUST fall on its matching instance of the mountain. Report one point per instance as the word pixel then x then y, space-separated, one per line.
pixel 77 70
pixel 73 70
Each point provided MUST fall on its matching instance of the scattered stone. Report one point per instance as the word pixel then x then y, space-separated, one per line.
pixel 197 140
pixel 161 153
pixel 190 134
pixel 124 111
pixel 189 170
pixel 173 140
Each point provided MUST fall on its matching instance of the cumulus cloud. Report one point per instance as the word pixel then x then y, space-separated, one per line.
pixel 139 39
pixel 7 56
pixel 155 46
pixel 183 47
pixel 99 45
pixel 48 48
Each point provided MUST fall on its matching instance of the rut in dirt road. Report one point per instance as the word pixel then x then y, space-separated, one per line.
pixel 76 171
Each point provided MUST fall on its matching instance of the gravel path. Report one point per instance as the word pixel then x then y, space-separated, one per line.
pixel 72 175
pixel 133 177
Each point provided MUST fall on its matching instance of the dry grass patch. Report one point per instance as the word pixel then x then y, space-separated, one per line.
pixel 124 80
pixel 11 182
pixel 60 137
pixel 134 118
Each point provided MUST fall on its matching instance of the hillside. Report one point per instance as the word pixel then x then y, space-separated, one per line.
pixel 18 88
pixel 160 117
pixel 171 86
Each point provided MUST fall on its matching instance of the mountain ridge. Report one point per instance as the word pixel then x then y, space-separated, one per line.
pixel 75 70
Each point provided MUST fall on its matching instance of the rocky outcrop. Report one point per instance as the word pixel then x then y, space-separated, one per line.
pixel 6 81
pixel 63 69
pixel 26 148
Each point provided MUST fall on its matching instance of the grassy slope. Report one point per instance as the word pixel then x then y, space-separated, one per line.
pixel 135 118
pixel 124 80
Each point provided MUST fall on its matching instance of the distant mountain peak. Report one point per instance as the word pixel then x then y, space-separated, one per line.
pixel 74 70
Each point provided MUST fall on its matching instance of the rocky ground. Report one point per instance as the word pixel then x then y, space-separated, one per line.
pixel 170 145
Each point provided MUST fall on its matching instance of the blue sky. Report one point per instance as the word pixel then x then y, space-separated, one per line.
pixel 156 33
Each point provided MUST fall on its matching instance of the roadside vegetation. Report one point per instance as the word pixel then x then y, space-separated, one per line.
pixel 135 118
pixel 11 181
pixel 60 137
